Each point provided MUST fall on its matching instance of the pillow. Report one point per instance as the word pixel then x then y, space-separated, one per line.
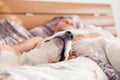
pixel 41 31
pixel 12 33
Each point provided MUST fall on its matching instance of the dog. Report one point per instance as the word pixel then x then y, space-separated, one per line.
pixel 53 49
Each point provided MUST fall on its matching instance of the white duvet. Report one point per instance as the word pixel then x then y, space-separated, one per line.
pixel 108 49
pixel 76 69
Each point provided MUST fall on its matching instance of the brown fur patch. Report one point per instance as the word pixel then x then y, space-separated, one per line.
pixel 72 55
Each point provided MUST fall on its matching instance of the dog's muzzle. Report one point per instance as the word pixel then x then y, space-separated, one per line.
pixel 65 37
pixel 69 35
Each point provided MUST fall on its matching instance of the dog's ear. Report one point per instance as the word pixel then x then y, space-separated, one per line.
pixel 72 55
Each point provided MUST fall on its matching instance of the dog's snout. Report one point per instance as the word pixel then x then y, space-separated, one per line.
pixel 69 35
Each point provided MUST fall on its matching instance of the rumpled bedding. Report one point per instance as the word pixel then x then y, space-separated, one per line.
pixel 80 68
pixel 107 50
pixel 76 69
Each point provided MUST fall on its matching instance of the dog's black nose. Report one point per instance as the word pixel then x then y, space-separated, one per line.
pixel 69 35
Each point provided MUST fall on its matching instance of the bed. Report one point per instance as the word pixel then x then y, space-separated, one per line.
pixel 30 14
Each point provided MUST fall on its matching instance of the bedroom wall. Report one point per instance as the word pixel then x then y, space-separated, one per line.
pixel 116 13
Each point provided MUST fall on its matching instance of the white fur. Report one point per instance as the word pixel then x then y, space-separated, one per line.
pixel 41 55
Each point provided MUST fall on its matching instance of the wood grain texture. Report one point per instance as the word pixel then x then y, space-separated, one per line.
pixel 38 13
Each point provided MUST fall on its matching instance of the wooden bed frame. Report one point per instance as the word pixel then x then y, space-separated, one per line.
pixel 35 13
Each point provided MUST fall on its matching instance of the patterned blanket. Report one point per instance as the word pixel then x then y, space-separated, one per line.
pixel 12 33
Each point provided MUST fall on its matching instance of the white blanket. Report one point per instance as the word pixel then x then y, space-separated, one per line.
pixel 76 69
pixel 108 49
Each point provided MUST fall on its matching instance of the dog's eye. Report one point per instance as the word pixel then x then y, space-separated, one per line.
pixel 46 40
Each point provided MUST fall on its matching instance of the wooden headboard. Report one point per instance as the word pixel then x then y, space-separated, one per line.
pixel 33 13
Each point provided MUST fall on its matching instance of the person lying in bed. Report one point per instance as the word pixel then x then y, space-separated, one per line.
pixel 58 24
pixel 51 27
pixel 62 25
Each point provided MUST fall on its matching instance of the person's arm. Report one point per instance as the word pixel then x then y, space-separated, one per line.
pixel 27 44
pixel 89 35
pixel 93 35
